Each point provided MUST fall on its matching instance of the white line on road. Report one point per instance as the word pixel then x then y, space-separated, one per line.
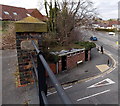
pixel 68 87
pixel 104 82
pixel 49 93
pixel 93 95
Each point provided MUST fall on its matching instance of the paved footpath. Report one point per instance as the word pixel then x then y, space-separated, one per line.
pixel 10 93
pixel 97 65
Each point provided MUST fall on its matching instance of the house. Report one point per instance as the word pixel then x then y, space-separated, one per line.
pixel 109 24
pixel 95 24
pixel 113 24
pixel 100 24
pixel 13 13
pixel 35 13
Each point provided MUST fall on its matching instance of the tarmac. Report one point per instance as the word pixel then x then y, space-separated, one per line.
pixel 97 65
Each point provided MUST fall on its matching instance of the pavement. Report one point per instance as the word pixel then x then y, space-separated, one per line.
pixel 97 65
pixel 10 93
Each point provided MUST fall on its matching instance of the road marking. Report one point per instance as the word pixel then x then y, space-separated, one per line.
pixel 67 87
pixel 102 67
pixel 50 93
pixel 104 82
pixel 93 95
pixel 112 67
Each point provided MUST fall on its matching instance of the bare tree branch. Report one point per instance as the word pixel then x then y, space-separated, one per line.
pixel 71 15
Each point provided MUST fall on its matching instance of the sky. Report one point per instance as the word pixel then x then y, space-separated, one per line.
pixel 107 9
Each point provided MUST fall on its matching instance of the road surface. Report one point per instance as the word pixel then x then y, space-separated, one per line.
pixel 102 90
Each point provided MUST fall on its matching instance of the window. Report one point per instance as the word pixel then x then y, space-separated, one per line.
pixel 74 54
pixel 78 52
pixel 82 51
pixel 28 14
pixel 5 12
pixel 69 55
pixel 15 13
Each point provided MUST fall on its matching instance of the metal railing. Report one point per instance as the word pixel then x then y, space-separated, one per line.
pixel 40 74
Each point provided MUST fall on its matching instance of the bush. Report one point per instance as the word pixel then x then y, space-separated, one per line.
pixel 51 57
pixel 107 30
pixel 87 45
pixel 8 35
pixel 5 25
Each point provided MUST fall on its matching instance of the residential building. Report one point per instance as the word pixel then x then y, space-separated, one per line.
pixel 35 13
pixel 113 24
pixel 109 24
pixel 13 13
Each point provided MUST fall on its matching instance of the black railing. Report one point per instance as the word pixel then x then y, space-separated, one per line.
pixel 40 74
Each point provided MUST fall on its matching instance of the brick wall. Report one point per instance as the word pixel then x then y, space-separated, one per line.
pixel 53 68
pixel 23 53
pixel 74 58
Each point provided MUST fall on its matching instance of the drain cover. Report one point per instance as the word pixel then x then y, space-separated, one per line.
pixel 86 70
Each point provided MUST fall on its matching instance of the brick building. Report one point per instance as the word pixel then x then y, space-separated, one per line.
pixel 69 59
pixel 35 13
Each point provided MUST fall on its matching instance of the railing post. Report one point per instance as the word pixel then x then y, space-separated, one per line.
pixel 41 80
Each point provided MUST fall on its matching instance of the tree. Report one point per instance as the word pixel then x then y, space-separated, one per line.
pixel 40 4
pixel 52 14
pixel 68 15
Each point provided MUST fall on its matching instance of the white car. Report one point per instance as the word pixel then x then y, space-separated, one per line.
pixel 112 33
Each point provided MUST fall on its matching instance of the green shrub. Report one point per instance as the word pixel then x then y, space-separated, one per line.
pixel 51 57
pixel 5 24
pixel 107 30
pixel 86 44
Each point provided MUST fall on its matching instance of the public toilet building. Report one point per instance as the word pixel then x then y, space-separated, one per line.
pixel 68 59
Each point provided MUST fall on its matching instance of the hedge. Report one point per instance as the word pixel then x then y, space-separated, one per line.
pixel 86 44
pixel 107 30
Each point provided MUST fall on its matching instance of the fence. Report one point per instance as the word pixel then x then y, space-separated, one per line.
pixel 39 75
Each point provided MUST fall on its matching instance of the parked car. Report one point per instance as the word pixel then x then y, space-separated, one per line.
pixel 112 33
pixel 93 38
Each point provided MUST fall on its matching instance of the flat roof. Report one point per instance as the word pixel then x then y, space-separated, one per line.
pixel 67 52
